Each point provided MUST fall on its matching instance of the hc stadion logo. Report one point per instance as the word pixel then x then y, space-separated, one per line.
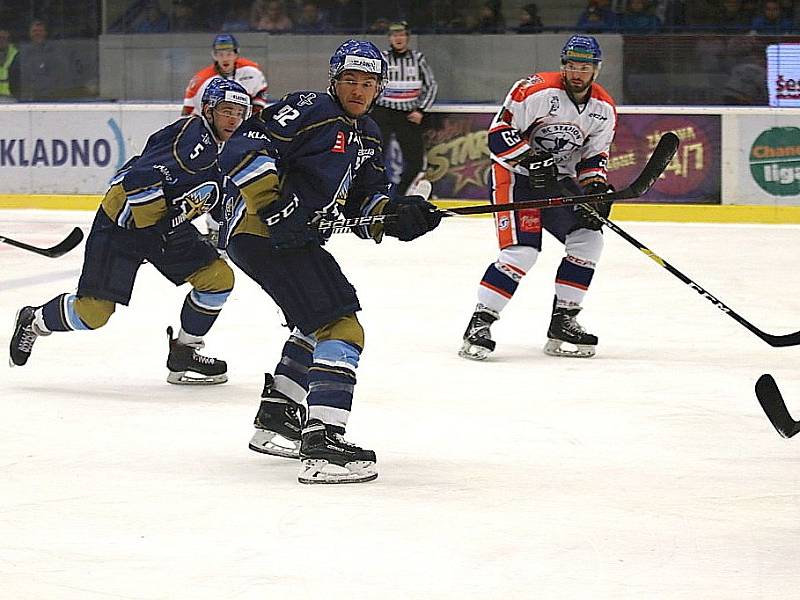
pixel 775 161
pixel 557 138
pixel 65 152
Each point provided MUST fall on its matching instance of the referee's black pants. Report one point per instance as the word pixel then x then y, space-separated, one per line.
pixel 409 136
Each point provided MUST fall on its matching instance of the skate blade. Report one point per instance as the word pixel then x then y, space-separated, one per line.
pixel 473 352
pixel 321 471
pixel 190 378
pixel 556 348
pixel 274 444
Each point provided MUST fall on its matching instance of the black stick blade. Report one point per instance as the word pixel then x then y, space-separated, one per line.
pixel 73 239
pixel 68 243
pixel 771 400
pixel 661 157
pixel 782 341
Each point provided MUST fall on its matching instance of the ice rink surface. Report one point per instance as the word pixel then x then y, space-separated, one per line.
pixel 648 471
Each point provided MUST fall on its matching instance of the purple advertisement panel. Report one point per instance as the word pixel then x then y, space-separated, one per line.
pixel 458 156
pixel 693 177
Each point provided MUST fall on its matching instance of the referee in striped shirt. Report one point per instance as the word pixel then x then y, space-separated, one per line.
pixel 410 90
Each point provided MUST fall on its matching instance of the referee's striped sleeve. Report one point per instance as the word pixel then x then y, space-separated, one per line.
pixel 429 85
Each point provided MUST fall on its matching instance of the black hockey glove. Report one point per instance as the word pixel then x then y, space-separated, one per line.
pixel 584 218
pixel 153 240
pixel 542 170
pixel 287 224
pixel 414 216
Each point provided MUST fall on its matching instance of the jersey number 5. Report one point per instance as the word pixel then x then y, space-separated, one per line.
pixel 286 114
pixel 196 151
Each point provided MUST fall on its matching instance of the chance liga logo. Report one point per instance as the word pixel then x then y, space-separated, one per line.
pixel 775 161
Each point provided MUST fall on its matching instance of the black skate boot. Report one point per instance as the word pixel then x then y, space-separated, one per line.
pixel 187 367
pixel 328 458
pixel 278 423
pixel 25 334
pixel 478 343
pixel 564 328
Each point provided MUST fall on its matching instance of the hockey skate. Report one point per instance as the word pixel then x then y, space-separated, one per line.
pixel 565 329
pixel 187 367
pixel 328 458
pixel 478 343
pixel 278 423
pixel 25 334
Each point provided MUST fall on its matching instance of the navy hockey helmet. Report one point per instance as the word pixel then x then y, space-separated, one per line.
pixel 225 41
pixel 226 90
pixel 582 48
pixel 357 55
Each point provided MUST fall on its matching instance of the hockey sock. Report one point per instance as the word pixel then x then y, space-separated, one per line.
pixel 291 373
pixel 60 314
pixel 498 285
pixel 200 310
pixel 572 280
pixel 331 380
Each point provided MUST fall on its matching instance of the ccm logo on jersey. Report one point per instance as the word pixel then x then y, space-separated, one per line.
pixel 598 116
pixel 285 212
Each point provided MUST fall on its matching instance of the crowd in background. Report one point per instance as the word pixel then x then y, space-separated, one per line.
pixel 83 18
pixel 49 50
pixel 436 16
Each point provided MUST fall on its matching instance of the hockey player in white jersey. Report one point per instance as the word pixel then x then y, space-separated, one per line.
pixel 551 138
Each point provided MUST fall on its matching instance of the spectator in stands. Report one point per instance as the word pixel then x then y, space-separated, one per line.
pixel 311 20
pixel 732 19
pixel 270 16
pixel 771 20
pixel 379 25
pixel 788 9
pixel 597 18
pixel 186 17
pixel 490 18
pixel 441 16
pixel 150 20
pixel 237 18
pixel 42 66
pixel 9 68
pixel 671 13
pixel 529 20
pixel 346 16
pixel 638 19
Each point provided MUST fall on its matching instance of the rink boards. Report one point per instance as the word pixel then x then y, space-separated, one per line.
pixel 734 164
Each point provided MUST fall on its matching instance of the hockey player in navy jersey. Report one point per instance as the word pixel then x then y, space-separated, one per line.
pixel 145 216
pixel 314 155
pixel 550 138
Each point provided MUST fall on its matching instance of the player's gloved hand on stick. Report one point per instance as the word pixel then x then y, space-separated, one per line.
pixel 414 216
pixel 287 224
pixel 585 219
pixel 542 170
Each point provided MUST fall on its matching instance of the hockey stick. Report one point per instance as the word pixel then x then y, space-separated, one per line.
pixel 770 399
pixel 776 341
pixel 68 243
pixel 658 161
